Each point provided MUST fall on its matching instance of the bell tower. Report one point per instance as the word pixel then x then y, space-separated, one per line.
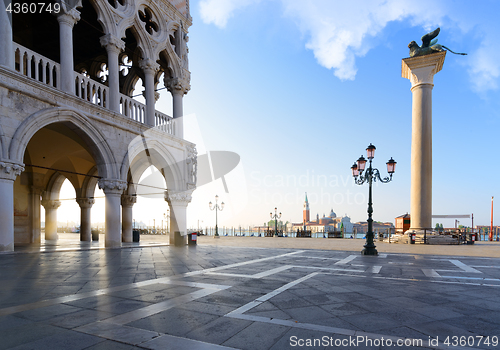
pixel 306 210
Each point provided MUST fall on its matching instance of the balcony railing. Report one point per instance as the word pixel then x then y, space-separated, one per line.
pixel 35 66
pixel 46 71
pixel 91 91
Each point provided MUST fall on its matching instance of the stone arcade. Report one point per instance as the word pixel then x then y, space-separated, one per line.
pixel 67 112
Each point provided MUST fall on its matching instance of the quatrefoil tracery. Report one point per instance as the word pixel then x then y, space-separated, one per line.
pixel 149 24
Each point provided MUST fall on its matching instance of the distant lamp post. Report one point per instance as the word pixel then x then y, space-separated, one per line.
pixel 370 176
pixel 216 207
pixel 166 217
pixel 275 217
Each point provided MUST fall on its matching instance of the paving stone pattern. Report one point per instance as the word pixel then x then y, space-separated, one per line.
pixel 209 297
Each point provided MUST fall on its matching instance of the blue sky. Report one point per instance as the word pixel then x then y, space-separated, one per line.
pixel 299 89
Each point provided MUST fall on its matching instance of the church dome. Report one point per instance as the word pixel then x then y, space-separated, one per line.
pixel 332 214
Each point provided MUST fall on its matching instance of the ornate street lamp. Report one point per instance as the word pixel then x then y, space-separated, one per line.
pixel 370 176
pixel 216 207
pixel 275 217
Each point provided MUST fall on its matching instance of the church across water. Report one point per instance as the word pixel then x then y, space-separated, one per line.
pixel 330 223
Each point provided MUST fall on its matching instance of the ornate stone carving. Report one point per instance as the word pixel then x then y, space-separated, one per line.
pixel 128 201
pixel 10 171
pixel 110 186
pixel 192 163
pixel 148 65
pixel 68 13
pixel 85 203
pixel 177 85
pixel 178 197
pixel 111 42
pixel 50 204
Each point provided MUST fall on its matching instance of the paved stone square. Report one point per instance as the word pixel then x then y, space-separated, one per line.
pixel 216 297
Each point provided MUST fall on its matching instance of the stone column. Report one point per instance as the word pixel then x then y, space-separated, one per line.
pixel 420 70
pixel 8 173
pixel 85 218
pixel 36 194
pixel 149 67
pixel 113 47
pixel 178 89
pixel 178 202
pixel 113 190
pixel 6 42
pixel 51 218
pixel 127 218
pixel 67 20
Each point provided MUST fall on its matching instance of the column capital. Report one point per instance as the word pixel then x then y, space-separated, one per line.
pixel 85 203
pixel 421 69
pixel 177 86
pixel 112 43
pixel 50 204
pixel 178 197
pixel 149 66
pixel 128 201
pixel 68 16
pixel 112 186
pixel 10 170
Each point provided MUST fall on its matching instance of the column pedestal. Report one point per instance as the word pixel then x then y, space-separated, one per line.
pixel 113 190
pixel 85 218
pixel 420 71
pixel 127 217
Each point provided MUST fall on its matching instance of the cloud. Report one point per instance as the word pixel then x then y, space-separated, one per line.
pixel 218 12
pixel 339 32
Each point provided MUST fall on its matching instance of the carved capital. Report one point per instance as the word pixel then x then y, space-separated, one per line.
pixel 149 66
pixel 421 69
pixel 111 186
pixel 85 203
pixel 10 171
pixel 112 43
pixel 128 201
pixel 67 15
pixel 177 86
pixel 50 204
pixel 178 197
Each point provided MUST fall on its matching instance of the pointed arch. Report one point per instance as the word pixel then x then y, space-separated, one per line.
pixel 145 151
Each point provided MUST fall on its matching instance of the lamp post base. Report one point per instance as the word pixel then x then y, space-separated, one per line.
pixel 369 251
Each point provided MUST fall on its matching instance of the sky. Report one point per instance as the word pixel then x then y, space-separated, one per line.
pixel 299 89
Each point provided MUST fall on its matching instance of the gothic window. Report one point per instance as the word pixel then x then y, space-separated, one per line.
pixel 149 24
pixel 103 72
pixel 125 65
pixel 115 3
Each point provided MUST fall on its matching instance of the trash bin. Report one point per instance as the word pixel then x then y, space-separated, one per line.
pixel 412 238
pixel 472 239
pixel 136 236
pixel 192 237
pixel 95 235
